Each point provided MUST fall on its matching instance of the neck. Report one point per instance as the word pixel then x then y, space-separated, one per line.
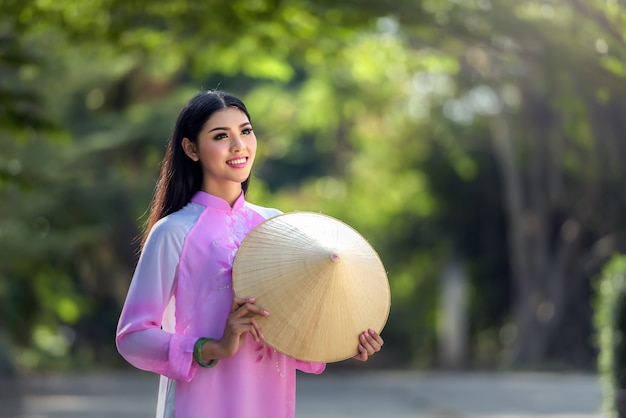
pixel 230 193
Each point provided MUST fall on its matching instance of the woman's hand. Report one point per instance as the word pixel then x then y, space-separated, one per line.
pixel 369 343
pixel 240 322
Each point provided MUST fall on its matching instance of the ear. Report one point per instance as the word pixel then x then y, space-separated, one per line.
pixel 190 149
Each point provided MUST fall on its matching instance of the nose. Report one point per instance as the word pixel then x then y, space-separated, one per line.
pixel 237 144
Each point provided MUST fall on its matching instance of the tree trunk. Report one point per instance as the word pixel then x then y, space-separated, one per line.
pixel 7 368
pixel 539 272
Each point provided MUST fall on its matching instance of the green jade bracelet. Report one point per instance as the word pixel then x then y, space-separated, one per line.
pixel 197 353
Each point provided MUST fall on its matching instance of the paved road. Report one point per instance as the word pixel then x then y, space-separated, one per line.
pixel 363 394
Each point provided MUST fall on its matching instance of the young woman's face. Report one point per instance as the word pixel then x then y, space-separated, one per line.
pixel 225 148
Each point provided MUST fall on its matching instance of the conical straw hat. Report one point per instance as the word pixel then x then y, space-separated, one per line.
pixel 321 281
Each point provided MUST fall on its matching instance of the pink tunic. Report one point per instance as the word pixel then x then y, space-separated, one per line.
pixel 182 290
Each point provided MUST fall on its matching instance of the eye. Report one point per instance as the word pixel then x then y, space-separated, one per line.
pixel 220 136
pixel 246 131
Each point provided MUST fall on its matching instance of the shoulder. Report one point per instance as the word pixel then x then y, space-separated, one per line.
pixel 176 225
pixel 266 213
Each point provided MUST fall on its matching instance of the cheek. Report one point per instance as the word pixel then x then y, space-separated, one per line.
pixel 252 148
pixel 212 152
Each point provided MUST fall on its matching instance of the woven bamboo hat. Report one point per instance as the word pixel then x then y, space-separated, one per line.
pixel 321 281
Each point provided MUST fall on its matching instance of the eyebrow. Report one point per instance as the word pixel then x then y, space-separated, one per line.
pixel 221 128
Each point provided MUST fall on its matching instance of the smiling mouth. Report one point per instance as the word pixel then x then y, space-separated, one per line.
pixel 237 161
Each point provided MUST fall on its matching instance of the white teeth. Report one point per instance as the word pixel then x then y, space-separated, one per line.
pixel 236 161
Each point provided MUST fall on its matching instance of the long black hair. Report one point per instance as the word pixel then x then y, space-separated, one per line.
pixel 180 176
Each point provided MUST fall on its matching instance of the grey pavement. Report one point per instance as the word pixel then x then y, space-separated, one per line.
pixel 334 394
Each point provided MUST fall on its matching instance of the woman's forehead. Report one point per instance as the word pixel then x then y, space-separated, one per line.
pixel 227 117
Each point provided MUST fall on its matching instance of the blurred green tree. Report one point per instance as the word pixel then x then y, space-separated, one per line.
pixel 468 129
pixel 543 78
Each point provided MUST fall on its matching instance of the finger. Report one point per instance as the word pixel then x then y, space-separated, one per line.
pixel 239 302
pixel 362 356
pixel 363 342
pixel 372 339
pixel 379 340
pixel 249 308
pixel 256 331
pixel 369 343
pixel 244 325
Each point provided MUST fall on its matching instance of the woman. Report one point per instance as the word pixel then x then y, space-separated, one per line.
pixel 181 319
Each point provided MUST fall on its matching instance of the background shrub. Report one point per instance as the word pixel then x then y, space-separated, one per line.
pixel 610 323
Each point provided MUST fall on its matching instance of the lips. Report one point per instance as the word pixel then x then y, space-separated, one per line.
pixel 237 162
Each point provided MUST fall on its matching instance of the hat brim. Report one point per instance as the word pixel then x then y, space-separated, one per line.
pixel 321 281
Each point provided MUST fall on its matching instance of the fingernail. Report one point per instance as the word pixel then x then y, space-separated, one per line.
pixel 372 332
pixel 252 300
pixel 363 337
pixel 361 347
pixel 266 313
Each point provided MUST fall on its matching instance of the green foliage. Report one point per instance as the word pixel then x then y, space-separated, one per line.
pixel 375 112
pixel 610 326
pixel 72 198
